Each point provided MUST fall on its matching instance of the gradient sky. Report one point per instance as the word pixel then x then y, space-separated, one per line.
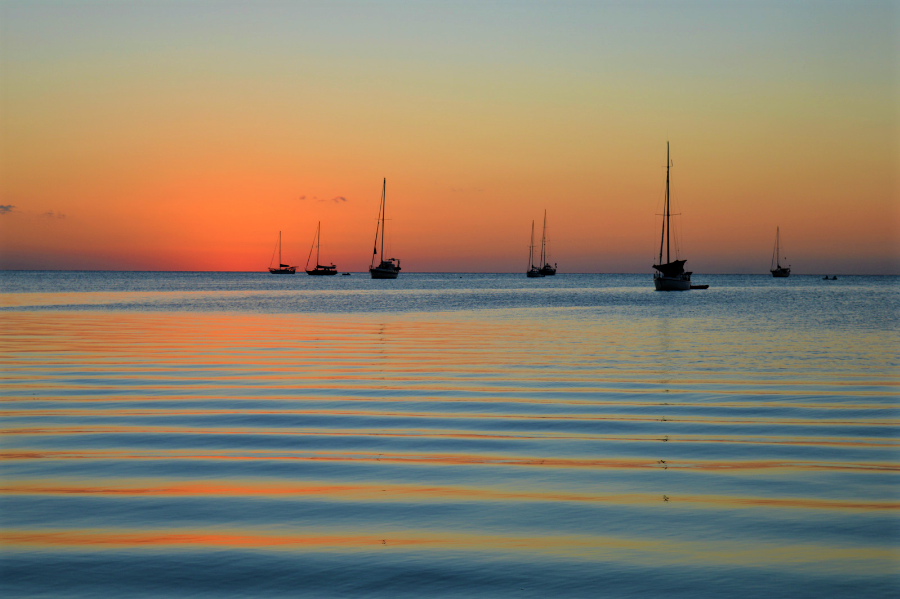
pixel 185 135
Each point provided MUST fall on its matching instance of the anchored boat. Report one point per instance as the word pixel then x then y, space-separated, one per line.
pixel 777 269
pixel 386 269
pixel 546 269
pixel 670 275
pixel 282 269
pixel 320 269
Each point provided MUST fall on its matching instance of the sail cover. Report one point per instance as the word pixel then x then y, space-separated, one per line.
pixel 671 269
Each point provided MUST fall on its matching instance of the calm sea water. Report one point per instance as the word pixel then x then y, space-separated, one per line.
pixel 240 434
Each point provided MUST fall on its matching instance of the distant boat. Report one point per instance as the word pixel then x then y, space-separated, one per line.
pixel 282 269
pixel 546 269
pixel 777 269
pixel 533 271
pixel 386 269
pixel 670 276
pixel 320 269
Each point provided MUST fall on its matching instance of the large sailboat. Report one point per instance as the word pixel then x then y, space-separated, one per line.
pixel 386 269
pixel 281 269
pixel 546 269
pixel 777 269
pixel 533 271
pixel 670 276
pixel 320 269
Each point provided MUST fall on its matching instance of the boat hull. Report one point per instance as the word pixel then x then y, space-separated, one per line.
pixel 781 272
pixel 283 271
pixel 321 272
pixel 383 273
pixel 548 271
pixel 534 274
pixel 672 284
pixel 387 269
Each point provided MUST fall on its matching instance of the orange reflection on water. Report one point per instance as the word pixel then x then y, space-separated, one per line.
pixel 653 551
pixel 406 350
pixel 422 493
pixel 444 459
pixel 136 539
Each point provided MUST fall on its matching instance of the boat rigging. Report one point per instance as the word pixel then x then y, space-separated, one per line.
pixel 390 268
pixel 670 275
pixel 281 269
pixel 320 269
pixel 777 269
pixel 546 269
pixel 533 271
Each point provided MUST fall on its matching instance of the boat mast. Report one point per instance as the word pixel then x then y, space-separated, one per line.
pixel 279 249
pixel 662 234
pixel 543 240
pixel 383 190
pixel 668 226
pixel 318 241
pixel 379 224
pixel 777 248
pixel 531 249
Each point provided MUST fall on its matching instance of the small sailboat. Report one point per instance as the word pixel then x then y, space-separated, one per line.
pixel 320 269
pixel 533 271
pixel 546 269
pixel 670 276
pixel 282 269
pixel 386 269
pixel 777 269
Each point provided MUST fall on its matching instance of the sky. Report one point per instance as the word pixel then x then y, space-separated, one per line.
pixel 184 135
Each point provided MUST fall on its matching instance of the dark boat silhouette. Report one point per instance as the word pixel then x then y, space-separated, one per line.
pixel 281 269
pixel 533 271
pixel 670 276
pixel 546 269
pixel 777 269
pixel 390 268
pixel 320 269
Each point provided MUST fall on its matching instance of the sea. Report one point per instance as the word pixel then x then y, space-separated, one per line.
pixel 210 434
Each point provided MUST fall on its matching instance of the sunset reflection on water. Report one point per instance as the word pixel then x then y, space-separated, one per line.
pixel 581 436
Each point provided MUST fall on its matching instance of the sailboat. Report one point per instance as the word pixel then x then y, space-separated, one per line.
pixel 670 276
pixel 386 269
pixel 777 269
pixel 320 269
pixel 533 271
pixel 546 269
pixel 282 269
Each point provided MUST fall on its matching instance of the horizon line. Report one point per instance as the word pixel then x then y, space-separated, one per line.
pixel 441 272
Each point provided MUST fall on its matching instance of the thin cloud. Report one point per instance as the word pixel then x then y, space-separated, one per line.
pixel 302 197
pixel 6 208
pixel 336 200
pixel 51 214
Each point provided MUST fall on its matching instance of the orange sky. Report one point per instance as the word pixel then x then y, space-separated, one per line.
pixel 183 137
